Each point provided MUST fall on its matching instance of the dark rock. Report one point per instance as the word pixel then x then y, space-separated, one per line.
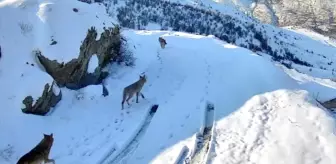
pixel 105 91
pixel 44 103
pixel 73 74
pixel 75 10
pixel 331 104
pixel 53 42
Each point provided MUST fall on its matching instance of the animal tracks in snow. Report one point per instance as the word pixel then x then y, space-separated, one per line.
pixel 121 155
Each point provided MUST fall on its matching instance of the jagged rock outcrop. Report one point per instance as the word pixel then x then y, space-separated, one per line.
pixel 318 15
pixel 44 103
pixel 73 74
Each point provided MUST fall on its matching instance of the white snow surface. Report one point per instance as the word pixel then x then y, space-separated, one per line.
pixel 264 113
pixel 93 63
pixel 56 90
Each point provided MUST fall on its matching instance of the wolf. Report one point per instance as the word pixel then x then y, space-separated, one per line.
pixel 132 89
pixel 162 42
pixel 40 153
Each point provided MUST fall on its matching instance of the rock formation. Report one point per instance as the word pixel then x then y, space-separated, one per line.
pixel 44 103
pixel 73 74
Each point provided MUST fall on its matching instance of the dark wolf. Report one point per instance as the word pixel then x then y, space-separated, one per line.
pixel 40 153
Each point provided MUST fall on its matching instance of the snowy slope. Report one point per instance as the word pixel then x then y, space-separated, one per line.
pixel 210 76
pixel 207 17
pixel 277 127
pixel 192 69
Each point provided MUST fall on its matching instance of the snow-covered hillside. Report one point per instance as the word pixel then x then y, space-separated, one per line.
pixel 319 15
pixel 262 112
pixel 228 24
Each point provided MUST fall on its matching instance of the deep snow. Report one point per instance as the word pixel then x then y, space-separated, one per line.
pixel 93 63
pixel 262 113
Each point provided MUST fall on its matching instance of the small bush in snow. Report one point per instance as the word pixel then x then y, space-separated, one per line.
pixel 7 152
pixel 79 95
pixel 125 54
pixel 25 28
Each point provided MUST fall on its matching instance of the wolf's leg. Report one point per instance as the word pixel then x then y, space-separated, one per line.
pixel 142 95
pixel 123 99
pixel 122 104
pixel 50 160
pixel 129 97
pixel 137 95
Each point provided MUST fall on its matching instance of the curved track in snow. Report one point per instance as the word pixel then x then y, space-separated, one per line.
pixel 170 79
pixel 120 156
pixel 191 81
pixel 158 75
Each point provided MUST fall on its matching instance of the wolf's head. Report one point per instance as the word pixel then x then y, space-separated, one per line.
pixel 143 78
pixel 49 139
pixel 161 40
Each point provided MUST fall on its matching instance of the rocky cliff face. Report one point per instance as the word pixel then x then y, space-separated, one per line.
pixel 43 104
pixel 318 15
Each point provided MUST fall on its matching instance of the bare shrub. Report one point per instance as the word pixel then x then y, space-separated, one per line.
pixel 125 55
pixel 25 28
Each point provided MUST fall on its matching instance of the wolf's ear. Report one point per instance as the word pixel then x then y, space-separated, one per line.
pixel 45 135
pixel 51 135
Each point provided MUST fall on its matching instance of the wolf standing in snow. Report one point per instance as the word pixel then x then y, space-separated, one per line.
pixel 40 153
pixel 162 42
pixel 132 89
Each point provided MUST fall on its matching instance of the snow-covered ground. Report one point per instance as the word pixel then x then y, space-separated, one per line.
pixel 263 113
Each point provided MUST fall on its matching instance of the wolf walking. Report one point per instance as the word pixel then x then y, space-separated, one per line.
pixel 132 89
pixel 40 153
pixel 162 42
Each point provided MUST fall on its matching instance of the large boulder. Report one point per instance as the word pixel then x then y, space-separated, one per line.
pixel 50 97
pixel 74 74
